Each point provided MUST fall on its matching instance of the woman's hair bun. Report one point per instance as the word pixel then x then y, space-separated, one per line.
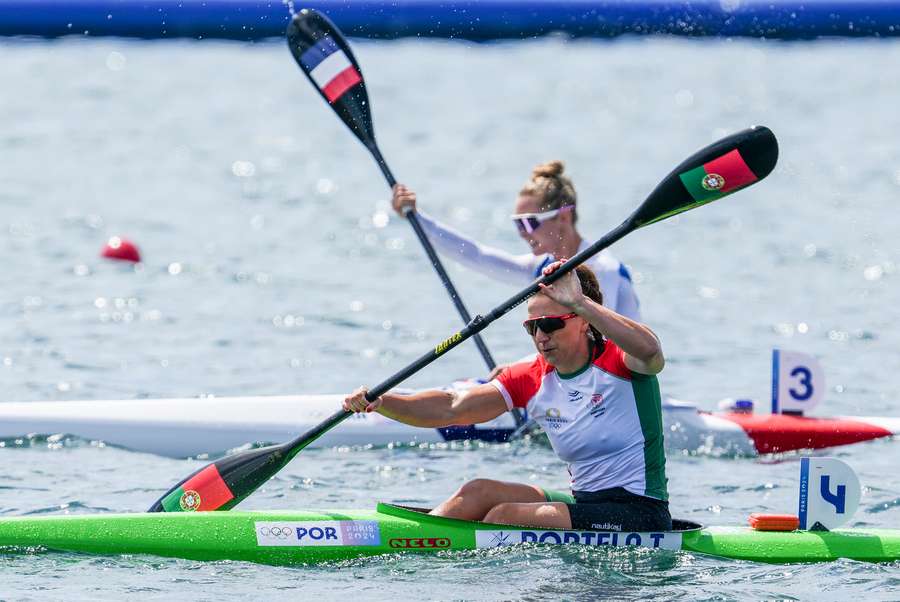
pixel 550 187
pixel 550 169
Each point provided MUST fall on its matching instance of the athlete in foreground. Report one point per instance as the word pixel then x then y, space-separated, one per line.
pixel 593 389
pixel 545 217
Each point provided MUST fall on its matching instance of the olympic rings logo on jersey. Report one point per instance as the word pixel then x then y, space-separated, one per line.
pixel 554 419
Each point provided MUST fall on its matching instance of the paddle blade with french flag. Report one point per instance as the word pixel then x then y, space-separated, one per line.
pixel 325 57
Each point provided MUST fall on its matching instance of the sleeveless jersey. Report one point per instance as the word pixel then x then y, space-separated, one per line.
pixel 605 421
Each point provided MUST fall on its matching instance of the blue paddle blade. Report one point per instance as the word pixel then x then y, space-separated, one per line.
pixel 325 57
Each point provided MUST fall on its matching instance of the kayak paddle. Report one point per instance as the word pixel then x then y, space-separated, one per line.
pixel 324 55
pixel 732 163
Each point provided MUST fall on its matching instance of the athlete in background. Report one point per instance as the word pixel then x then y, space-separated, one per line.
pixel 545 216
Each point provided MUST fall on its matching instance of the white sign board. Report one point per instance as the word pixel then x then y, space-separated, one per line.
pixel 666 540
pixel 341 533
pixel 798 382
pixel 829 493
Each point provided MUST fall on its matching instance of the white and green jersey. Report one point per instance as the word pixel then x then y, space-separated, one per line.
pixel 605 420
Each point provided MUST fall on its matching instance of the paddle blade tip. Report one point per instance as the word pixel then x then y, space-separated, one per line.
pixel 759 150
pixel 300 28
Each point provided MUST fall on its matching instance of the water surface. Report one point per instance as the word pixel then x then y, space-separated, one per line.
pixel 273 266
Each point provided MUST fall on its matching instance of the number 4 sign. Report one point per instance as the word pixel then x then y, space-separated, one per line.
pixel 798 382
pixel 829 493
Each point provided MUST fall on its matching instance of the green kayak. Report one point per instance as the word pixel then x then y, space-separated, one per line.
pixel 297 537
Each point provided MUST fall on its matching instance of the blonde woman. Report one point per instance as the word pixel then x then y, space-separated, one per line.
pixel 545 217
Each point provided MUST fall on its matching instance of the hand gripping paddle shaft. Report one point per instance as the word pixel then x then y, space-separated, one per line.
pixel 733 163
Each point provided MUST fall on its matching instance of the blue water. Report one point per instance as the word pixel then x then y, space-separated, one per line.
pixel 273 265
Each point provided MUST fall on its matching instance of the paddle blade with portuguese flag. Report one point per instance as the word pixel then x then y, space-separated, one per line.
pixel 325 57
pixel 726 166
pixel 225 482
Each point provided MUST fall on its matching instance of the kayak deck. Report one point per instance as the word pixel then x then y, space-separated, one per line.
pixel 786 547
pixel 300 537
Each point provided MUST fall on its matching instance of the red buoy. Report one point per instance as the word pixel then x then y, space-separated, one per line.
pixel 121 249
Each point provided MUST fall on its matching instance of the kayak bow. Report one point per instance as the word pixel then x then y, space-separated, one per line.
pixel 299 537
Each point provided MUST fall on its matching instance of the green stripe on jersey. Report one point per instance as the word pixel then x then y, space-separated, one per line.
pixel 649 407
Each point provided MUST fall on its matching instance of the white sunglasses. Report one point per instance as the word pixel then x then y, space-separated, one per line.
pixel 529 222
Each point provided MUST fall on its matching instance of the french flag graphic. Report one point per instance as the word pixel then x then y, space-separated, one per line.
pixel 330 68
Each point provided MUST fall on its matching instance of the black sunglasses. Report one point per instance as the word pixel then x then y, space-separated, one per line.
pixel 547 324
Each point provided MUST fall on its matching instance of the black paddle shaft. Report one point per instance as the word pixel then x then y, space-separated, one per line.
pixel 726 166
pixel 312 36
pixel 438 267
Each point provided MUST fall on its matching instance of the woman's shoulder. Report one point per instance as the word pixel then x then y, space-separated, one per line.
pixel 604 261
pixel 610 358
pixel 519 382
pixel 532 367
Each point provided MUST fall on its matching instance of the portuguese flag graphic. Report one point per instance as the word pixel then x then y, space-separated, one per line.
pixel 718 177
pixel 202 492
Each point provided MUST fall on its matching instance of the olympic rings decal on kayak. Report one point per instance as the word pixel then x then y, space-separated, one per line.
pixel 279 532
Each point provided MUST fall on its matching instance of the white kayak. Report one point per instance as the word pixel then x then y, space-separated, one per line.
pixel 194 426
pixel 213 425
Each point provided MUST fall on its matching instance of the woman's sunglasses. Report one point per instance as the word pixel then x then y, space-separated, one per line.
pixel 547 324
pixel 529 222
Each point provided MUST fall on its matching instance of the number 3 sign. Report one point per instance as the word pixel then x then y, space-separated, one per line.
pixel 798 382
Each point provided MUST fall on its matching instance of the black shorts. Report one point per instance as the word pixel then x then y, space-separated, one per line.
pixel 618 510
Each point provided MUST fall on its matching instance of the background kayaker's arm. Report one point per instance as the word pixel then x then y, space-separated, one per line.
pixel 487 260
pixel 434 408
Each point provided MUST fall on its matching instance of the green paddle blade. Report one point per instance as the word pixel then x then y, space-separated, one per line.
pixel 726 166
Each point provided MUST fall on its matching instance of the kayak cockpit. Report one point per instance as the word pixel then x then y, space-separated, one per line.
pixel 416 514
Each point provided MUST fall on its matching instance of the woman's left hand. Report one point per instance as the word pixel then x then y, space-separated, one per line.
pixel 566 291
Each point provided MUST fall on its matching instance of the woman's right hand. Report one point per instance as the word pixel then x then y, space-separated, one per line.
pixel 566 291
pixel 403 199
pixel 357 402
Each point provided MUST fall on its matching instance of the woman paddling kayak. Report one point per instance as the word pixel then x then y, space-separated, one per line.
pixel 545 216
pixel 593 389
